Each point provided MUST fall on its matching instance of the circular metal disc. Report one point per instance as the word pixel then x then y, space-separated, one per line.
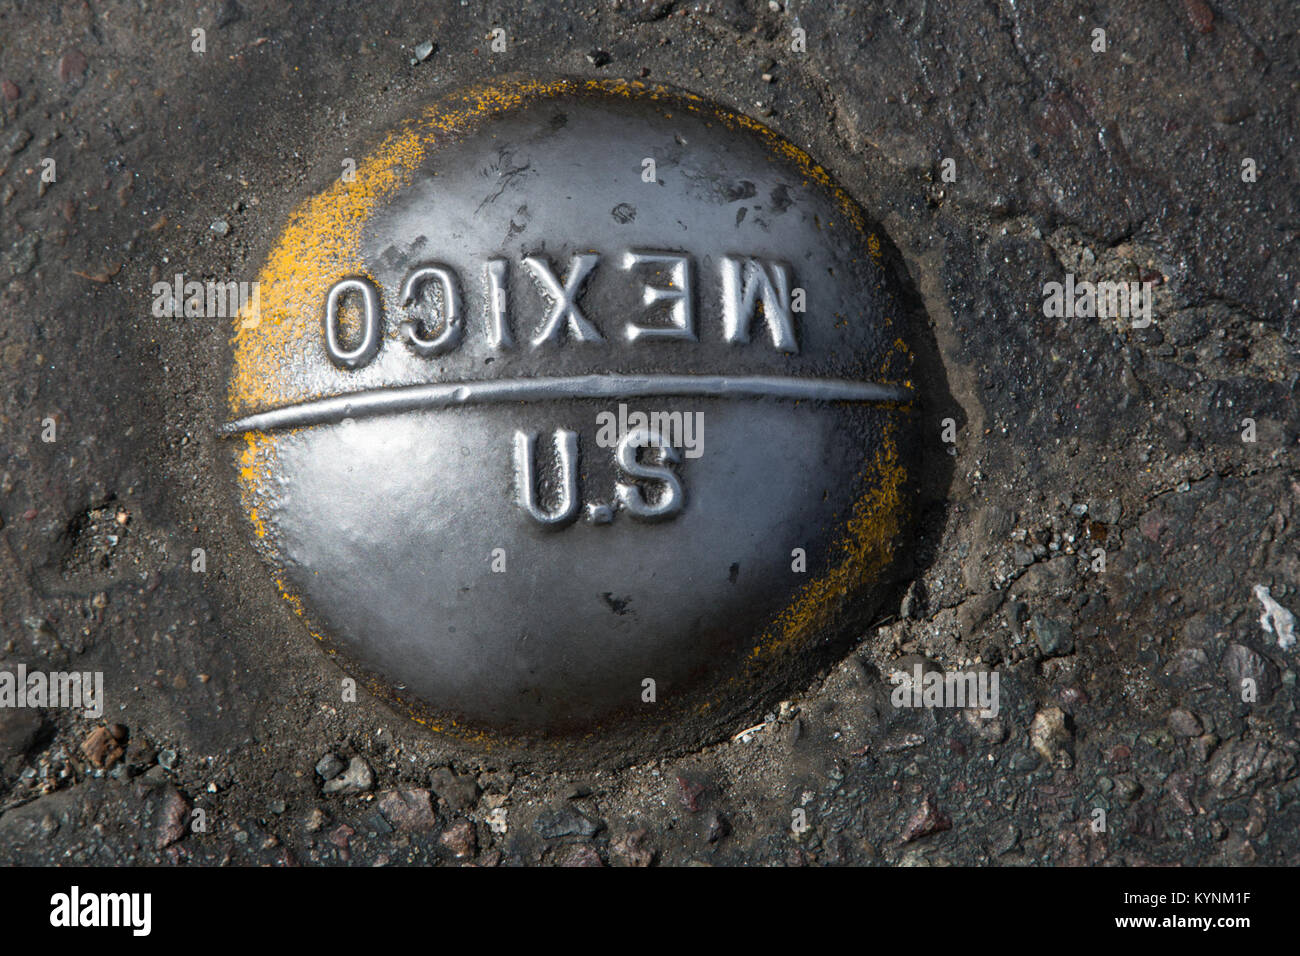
pixel 580 408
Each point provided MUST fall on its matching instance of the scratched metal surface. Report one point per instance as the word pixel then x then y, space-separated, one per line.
pixel 473 588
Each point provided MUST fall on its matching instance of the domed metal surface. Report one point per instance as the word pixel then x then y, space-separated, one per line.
pixel 581 408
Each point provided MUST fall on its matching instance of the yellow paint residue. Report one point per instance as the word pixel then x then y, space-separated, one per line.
pixel 873 246
pixel 896 366
pixel 254 467
pixel 866 549
pixel 318 246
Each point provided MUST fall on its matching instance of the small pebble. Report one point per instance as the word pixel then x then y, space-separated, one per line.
pixel 460 839
pixel 329 767
pixel 72 65
pixel 358 778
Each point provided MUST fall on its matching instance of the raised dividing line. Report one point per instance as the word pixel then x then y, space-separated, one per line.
pixel 408 398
